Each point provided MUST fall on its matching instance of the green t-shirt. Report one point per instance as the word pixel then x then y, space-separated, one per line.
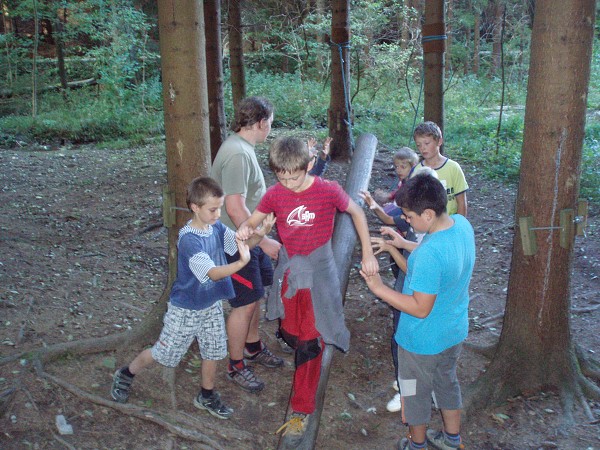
pixel 237 170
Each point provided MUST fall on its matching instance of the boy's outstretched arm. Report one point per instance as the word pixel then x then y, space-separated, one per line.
pixel 262 231
pixel 384 245
pixel 370 265
pixel 376 207
pixel 247 228
pixel 235 205
pixel 418 304
pixel 397 240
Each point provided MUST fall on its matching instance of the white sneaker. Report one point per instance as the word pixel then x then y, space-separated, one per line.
pixel 395 386
pixel 395 404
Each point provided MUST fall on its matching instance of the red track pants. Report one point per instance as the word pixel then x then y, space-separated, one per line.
pixel 298 329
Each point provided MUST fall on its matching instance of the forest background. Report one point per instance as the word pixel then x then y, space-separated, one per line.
pixel 89 71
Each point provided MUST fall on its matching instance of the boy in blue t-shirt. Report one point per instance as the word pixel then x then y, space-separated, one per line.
pixel 434 303
pixel 195 310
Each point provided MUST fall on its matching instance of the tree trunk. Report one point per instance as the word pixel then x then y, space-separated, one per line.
pixel 404 24
pixel 339 115
pixel 60 54
pixel 448 58
pixel 214 75
pixel 236 51
pixel 321 66
pixel 183 68
pixel 433 61
pixel 467 61
pixel 476 39
pixel 497 38
pixel 7 31
pixel 535 350
pixel 34 80
pixel 7 26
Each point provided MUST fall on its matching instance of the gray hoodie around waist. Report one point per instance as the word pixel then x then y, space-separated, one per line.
pixel 317 272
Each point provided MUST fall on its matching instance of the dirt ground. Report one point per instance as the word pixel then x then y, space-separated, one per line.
pixel 80 258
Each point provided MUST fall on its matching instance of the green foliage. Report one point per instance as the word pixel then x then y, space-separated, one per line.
pixel 86 120
pixel 118 32
pixel 288 61
pixel 298 103
pixel 590 162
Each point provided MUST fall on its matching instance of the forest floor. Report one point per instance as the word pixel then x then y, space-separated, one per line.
pixel 80 258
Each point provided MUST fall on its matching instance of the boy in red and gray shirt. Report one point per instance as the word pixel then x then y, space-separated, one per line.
pixel 308 296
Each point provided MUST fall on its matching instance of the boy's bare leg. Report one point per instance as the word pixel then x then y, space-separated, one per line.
pixel 253 329
pixel 238 327
pixel 141 361
pixel 417 433
pixel 451 420
pixel 209 373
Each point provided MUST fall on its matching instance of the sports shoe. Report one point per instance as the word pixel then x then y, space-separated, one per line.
pixel 395 404
pixel 438 440
pixel 294 428
pixel 213 405
pixel 395 386
pixel 246 379
pixel 264 357
pixel 404 444
pixel 121 386
pixel 285 348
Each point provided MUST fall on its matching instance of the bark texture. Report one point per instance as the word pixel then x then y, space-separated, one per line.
pixel 340 110
pixel 434 61
pixel 535 351
pixel 214 75
pixel 236 51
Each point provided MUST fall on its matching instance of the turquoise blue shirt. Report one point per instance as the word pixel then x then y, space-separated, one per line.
pixel 442 265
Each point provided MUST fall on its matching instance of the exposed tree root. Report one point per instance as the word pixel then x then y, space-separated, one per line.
pixel 80 347
pixel 489 389
pixel 6 397
pixel 181 425
pixel 589 366
pixel 490 319
pixel 497 385
pixel 151 227
pixel 484 350
pixel 588 388
pixel 63 442
pixel 178 423
pixel 584 310
pixel 139 336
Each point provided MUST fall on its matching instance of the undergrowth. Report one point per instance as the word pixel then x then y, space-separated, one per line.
pixel 470 128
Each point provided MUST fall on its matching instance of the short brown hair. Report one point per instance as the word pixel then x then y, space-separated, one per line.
pixel 200 189
pixel 288 154
pixel 428 129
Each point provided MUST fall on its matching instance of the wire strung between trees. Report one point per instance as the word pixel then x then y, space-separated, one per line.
pixel 341 47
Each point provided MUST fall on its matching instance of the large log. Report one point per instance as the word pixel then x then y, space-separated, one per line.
pixel 344 241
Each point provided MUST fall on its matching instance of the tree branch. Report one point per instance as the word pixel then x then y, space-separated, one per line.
pixel 179 424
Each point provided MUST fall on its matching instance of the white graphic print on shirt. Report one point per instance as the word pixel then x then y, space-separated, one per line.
pixel 300 217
